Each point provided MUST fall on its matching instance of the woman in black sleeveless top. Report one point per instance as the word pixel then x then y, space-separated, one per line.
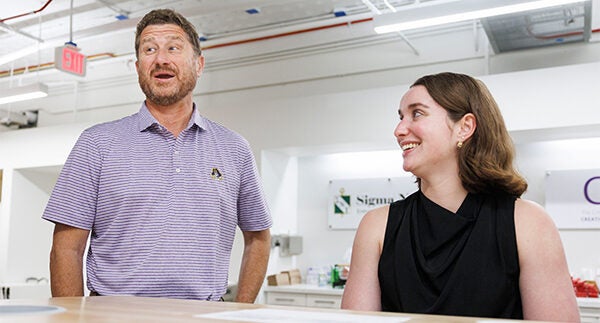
pixel 464 244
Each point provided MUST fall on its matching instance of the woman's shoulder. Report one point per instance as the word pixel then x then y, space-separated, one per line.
pixel 371 230
pixel 376 216
pixel 530 211
pixel 532 220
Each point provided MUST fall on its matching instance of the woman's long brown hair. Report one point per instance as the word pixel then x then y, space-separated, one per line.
pixel 485 160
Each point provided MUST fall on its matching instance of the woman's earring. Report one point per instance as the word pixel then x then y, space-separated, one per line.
pixel 459 144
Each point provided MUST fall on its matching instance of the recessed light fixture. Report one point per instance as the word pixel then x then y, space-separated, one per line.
pixel 456 12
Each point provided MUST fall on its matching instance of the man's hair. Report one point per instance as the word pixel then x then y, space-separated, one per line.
pixel 485 160
pixel 167 16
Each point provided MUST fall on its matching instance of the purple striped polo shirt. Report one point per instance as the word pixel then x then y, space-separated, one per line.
pixel 162 210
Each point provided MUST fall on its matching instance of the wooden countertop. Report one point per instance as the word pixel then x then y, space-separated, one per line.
pixel 144 309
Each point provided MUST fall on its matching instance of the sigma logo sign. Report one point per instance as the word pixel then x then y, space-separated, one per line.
pixel 591 190
pixel 573 198
pixel 351 199
pixel 343 202
pixel 374 200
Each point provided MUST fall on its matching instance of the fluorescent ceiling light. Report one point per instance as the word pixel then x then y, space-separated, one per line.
pixel 13 56
pixel 457 12
pixel 22 93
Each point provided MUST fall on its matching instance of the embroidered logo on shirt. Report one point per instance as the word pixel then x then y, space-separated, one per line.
pixel 216 174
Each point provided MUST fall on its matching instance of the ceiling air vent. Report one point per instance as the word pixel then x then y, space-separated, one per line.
pixel 542 27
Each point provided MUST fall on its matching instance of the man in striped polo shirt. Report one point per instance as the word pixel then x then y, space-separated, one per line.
pixel 160 192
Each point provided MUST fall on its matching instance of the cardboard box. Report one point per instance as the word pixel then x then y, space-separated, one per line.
pixel 278 279
pixel 295 276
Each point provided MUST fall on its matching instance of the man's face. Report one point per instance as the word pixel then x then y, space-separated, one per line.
pixel 167 65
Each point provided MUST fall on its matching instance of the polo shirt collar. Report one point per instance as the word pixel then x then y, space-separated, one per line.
pixel 147 120
pixel 197 119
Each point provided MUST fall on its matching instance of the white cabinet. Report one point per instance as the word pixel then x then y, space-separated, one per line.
pixel 589 309
pixel 327 297
pixel 290 299
pixel 304 295
pixel 325 301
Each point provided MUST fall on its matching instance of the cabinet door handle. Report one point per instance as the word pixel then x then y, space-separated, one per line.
pixel 318 301
pixel 284 299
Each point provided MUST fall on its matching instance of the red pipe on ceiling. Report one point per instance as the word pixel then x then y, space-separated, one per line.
pixel 27 13
pixel 301 31
pixel 573 33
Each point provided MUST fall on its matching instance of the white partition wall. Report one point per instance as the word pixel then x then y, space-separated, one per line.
pixel 27 242
pixel 30 237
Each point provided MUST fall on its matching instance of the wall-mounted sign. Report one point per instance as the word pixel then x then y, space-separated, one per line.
pixel 68 59
pixel 573 198
pixel 350 199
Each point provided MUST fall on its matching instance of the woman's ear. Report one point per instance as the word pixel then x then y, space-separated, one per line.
pixel 468 124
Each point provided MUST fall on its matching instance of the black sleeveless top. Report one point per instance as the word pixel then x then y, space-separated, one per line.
pixel 436 262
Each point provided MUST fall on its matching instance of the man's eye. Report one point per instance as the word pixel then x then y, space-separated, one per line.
pixel 150 50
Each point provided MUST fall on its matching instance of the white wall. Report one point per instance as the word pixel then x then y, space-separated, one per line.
pixel 328 247
pixel 30 238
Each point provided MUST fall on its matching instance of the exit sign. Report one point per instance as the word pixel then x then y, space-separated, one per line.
pixel 68 59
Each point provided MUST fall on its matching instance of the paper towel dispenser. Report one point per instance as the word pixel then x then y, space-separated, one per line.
pixel 288 245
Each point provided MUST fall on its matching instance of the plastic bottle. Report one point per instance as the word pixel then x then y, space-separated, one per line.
pixel 312 276
pixel 323 279
pixel 335 277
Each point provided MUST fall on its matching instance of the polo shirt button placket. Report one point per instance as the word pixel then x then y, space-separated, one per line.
pixel 177 157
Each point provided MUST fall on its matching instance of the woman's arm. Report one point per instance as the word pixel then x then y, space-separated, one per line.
pixel 546 288
pixel 362 288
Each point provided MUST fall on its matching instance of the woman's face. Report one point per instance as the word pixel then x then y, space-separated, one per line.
pixel 426 135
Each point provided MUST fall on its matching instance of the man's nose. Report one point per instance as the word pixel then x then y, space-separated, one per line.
pixel 162 57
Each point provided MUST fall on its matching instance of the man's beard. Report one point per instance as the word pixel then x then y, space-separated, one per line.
pixel 182 89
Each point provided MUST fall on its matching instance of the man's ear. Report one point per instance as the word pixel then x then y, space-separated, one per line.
pixel 468 124
pixel 200 66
